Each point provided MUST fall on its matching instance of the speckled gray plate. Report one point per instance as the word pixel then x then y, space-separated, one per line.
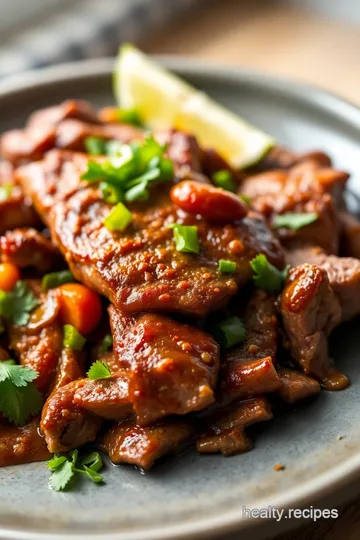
pixel 196 496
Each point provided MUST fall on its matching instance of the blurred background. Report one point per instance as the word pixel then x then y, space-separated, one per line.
pixel 312 40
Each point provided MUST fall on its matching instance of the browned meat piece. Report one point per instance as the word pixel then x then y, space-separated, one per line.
pixel 343 274
pixel 64 424
pixel 173 367
pixel 213 162
pixel 29 248
pixel 310 310
pixel 38 344
pixel 70 367
pixel 283 158
pixel 4 355
pixel 307 187
pixel 142 446
pixel 296 386
pixel 139 269
pixel 51 116
pixel 15 209
pixel 230 442
pixel 225 428
pixel 107 398
pixel 182 149
pixel 249 369
pixel 350 235
pixel 21 444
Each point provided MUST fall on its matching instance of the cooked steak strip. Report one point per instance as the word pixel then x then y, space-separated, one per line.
pixel 139 269
pixel 296 386
pixel 142 446
pixel 310 310
pixel 16 209
pixel 306 188
pixel 70 367
pixel 172 367
pixel 64 424
pixel 107 398
pixel 21 444
pixel 28 248
pixel 225 428
pixel 249 369
pixel 343 274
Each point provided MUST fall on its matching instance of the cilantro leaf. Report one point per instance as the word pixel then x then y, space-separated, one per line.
pixel 17 304
pixel 294 220
pixel 19 397
pixel 62 475
pixel 55 462
pixel 99 370
pixel 266 276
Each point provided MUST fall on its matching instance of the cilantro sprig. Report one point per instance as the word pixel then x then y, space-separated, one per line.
pixel 294 220
pixel 99 370
pixel 19 397
pixel 66 468
pixel 267 276
pixel 130 170
pixel 16 305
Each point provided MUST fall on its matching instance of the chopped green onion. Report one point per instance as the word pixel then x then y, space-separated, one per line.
pixel 130 116
pixel 119 218
pixel 95 145
pixel 266 276
pixel 227 267
pixel 106 343
pixel 245 198
pixel 72 338
pixel 112 194
pixel 5 192
pixel 225 180
pixel 186 238
pixel 294 221
pixel 54 279
pixel 229 332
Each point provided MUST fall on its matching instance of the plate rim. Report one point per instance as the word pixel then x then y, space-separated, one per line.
pixel 309 95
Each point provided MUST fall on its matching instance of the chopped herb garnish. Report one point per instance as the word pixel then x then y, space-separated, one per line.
pixel 99 370
pixel 186 238
pixel 55 279
pixel 5 192
pixel 130 116
pixel 95 146
pixel 64 468
pixel 294 221
pixel 19 397
pixel 225 180
pixel 227 267
pixel 72 338
pixel 118 218
pixel 16 305
pixel 245 198
pixel 266 276
pixel 106 343
pixel 229 332
pixel 130 170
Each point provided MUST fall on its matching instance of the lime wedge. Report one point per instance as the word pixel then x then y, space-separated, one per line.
pixel 164 100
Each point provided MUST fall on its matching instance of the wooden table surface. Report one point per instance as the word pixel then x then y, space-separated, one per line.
pixel 277 38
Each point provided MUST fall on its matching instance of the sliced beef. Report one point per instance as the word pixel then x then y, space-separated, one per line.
pixel 15 208
pixel 225 429
pixel 64 424
pixel 280 157
pixel 306 188
pixel 172 366
pixel 350 235
pixel 28 248
pixel 182 148
pixel 139 269
pixel 310 310
pixel 38 344
pixel 21 444
pixel 343 274
pixel 76 109
pixel 70 367
pixel 108 398
pixel 142 446
pixel 296 386
pixel 249 369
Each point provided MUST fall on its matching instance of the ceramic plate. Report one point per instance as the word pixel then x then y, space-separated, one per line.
pixel 192 495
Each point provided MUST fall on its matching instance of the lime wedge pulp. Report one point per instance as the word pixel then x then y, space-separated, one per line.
pixel 163 100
